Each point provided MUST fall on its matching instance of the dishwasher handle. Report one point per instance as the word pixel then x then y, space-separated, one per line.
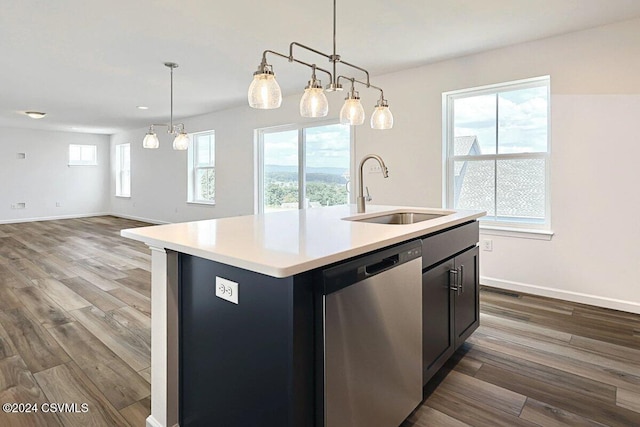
pixel 349 272
pixel 379 267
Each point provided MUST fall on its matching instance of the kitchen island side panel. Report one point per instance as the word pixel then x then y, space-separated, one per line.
pixel 249 363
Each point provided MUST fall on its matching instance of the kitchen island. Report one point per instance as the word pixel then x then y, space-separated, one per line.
pixel 270 355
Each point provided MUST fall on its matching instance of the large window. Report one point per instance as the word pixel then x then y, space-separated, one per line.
pixel 83 155
pixel 303 167
pixel 497 145
pixel 123 170
pixel 202 168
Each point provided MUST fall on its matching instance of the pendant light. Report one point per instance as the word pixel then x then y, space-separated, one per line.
pixel 352 112
pixel 314 102
pixel 264 91
pixel 181 140
pixel 381 117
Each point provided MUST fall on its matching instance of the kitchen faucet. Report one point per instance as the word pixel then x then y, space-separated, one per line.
pixel 385 174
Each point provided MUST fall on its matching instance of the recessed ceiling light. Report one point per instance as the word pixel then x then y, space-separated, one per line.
pixel 142 107
pixel 35 114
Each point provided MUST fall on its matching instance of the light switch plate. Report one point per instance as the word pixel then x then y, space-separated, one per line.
pixel 227 290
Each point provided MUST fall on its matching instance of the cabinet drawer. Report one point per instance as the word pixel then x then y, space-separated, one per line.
pixel 446 243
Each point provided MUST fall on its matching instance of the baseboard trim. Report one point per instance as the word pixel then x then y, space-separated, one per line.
pixel 598 301
pixel 53 218
pixel 138 218
pixel 152 422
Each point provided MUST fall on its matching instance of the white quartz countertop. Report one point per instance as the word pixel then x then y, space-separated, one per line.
pixel 281 244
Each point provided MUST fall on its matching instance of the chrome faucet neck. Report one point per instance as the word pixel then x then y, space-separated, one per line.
pixel 385 173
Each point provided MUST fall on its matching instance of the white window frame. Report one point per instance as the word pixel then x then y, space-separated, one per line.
pixel 300 127
pixel 527 229
pixel 78 161
pixel 123 150
pixel 194 167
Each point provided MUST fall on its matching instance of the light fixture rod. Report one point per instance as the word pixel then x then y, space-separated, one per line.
pixel 291 59
pixel 332 58
pixel 367 84
pixel 171 128
pixel 335 55
pixel 171 66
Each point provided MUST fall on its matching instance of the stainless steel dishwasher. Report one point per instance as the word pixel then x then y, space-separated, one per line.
pixel 373 338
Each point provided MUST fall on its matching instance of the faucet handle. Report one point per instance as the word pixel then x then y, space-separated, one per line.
pixel 368 196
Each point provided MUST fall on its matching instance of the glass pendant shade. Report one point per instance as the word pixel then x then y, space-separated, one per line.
pixel 150 140
pixel 381 118
pixel 314 103
pixel 181 141
pixel 264 92
pixel 352 112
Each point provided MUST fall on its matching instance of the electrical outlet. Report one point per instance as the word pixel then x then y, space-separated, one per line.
pixel 58 204
pixel 487 245
pixel 227 290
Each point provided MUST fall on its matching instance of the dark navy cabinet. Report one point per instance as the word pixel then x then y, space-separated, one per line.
pixel 246 364
pixel 450 294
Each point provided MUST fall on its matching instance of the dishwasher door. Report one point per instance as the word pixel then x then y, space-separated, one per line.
pixel 373 338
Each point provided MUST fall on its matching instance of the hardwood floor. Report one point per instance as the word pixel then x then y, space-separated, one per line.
pixel 74 322
pixel 539 362
pixel 75 328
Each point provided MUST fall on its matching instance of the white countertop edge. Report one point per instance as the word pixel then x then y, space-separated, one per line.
pixel 407 232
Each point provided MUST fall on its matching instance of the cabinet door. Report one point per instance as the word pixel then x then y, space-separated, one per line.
pixel 437 318
pixel 467 304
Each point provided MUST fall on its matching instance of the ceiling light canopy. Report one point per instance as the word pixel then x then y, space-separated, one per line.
pixel 264 91
pixel 35 114
pixel 181 140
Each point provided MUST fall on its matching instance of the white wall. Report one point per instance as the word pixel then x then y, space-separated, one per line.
pixel 159 177
pixel 595 100
pixel 44 178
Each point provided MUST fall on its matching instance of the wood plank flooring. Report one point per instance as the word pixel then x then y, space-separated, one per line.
pixel 539 362
pixel 74 322
pixel 75 328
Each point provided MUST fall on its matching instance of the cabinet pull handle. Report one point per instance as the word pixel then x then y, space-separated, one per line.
pixel 453 280
pixel 461 278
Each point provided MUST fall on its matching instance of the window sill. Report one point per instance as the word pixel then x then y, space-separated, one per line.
pixel 191 202
pixel 122 197
pixel 522 233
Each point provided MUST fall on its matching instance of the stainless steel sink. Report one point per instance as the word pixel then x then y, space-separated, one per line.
pixel 400 218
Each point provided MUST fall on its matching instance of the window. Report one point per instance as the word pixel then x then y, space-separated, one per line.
pixel 83 155
pixel 123 170
pixel 321 155
pixel 497 145
pixel 202 168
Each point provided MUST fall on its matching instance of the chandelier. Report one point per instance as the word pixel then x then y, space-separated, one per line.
pixel 264 91
pixel 181 140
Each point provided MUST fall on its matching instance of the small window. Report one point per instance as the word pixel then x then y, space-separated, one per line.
pixel 123 170
pixel 497 145
pixel 83 155
pixel 202 168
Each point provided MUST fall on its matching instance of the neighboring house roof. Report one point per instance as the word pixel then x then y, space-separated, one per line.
pixel 520 183
pixel 463 145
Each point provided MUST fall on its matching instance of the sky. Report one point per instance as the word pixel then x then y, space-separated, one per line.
pixel 522 124
pixel 326 146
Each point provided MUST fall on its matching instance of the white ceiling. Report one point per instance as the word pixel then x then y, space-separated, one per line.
pixel 88 64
